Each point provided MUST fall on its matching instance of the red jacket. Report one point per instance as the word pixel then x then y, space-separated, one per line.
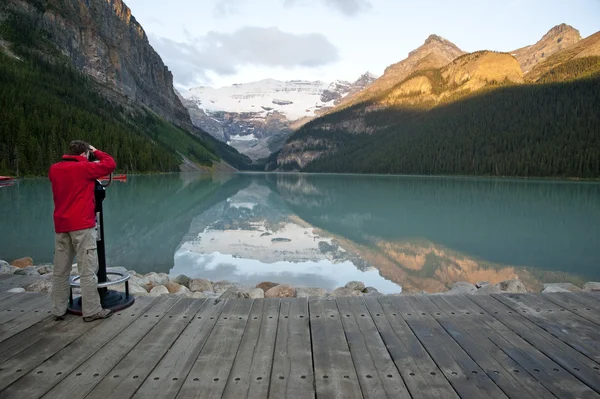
pixel 73 180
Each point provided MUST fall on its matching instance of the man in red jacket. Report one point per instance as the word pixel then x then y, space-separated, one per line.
pixel 73 181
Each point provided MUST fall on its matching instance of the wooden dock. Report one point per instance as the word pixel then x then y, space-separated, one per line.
pixel 498 346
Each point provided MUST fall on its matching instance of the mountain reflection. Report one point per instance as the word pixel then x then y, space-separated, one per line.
pixel 253 237
pixel 418 233
pixel 326 230
pixel 539 224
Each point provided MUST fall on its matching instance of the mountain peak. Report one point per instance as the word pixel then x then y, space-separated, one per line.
pixel 558 38
pixel 560 29
pixel 434 38
pixel 436 52
pixel 437 44
pixel 369 75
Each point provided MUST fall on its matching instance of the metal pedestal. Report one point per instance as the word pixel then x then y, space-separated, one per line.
pixel 109 299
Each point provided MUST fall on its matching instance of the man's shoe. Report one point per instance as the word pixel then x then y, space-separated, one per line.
pixel 103 314
pixel 60 318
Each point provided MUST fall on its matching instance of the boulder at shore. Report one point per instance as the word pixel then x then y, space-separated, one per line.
pixel 266 285
pixel 22 262
pixel 156 284
pixel 281 291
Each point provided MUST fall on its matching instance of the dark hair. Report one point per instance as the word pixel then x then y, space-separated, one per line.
pixel 78 147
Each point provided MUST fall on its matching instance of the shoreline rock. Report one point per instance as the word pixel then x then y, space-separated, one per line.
pixel 563 286
pixel 157 284
pixel 22 263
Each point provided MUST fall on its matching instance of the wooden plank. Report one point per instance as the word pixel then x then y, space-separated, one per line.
pixel 20 298
pixel 376 370
pixel 41 379
pixel 465 375
pixel 85 377
pixel 592 294
pixel 21 304
pixel 209 374
pixel 255 354
pixel 537 306
pixel 51 343
pixel 591 299
pixel 472 336
pixel 24 321
pixel 293 355
pixel 239 379
pixel 565 362
pixel 4 295
pixel 19 342
pixel 577 303
pixel 11 298
pixel 147 353
pixel 9 304
pixel 262 360
pixel 7 278
pixel 468 324
pixel 568 327
pixel 166 379
pixel 335 375
pixel 419 372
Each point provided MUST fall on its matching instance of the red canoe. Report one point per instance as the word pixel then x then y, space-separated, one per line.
pixel 115 177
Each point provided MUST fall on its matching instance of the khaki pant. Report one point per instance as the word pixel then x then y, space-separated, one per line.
pixel 80 244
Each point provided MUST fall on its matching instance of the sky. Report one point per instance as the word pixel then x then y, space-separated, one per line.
pixel 223 42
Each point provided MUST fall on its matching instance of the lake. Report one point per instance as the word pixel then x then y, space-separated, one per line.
pixel 391 232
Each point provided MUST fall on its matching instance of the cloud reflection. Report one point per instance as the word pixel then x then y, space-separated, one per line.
pixel 249 272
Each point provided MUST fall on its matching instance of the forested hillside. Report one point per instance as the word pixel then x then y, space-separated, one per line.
pixel 528 130
pixel 44 106
pixel 45 102
pixel 478 115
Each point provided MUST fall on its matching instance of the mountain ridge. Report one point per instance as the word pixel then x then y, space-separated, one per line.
pixel 359 136
pixel 435 52
pixel 587 47
pixel 557 38
pixel 257 117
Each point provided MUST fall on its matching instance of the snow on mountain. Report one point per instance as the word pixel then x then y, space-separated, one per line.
pixel 256 118
pixel 295 98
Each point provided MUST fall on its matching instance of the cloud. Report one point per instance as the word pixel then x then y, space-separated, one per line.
pixel 225 53
pixel 346 7
pixel 224 8
pixel 350 8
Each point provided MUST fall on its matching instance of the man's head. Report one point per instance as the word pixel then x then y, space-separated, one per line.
pixel 78 147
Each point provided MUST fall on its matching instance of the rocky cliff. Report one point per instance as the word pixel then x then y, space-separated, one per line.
pixel 586 49
pixel 558 38
pixel 103 39
pixel 464 75
pixel 435 52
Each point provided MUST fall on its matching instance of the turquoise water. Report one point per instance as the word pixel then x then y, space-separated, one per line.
pixel 324 230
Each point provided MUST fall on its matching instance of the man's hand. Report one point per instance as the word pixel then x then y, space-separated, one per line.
pixel 92 149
